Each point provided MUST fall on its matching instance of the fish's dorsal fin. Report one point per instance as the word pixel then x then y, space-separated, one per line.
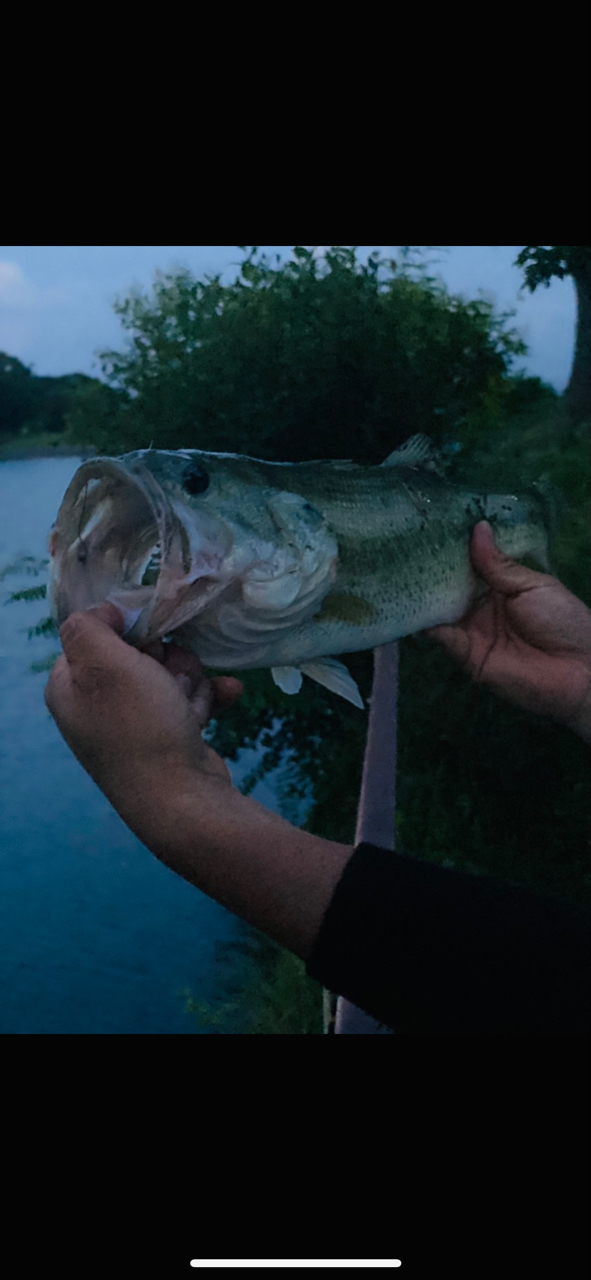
pixel 334 676
pixel 417 451
pixel 289 679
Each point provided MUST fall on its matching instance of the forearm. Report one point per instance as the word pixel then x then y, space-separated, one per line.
pixel 253 862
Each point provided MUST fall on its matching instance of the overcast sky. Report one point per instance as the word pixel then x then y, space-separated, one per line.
pixel 56 300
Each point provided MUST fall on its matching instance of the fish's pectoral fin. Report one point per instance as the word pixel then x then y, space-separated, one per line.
pixel 287 678
pixel 334 676
pixel 417 451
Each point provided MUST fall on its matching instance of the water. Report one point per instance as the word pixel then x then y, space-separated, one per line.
pixel 98 937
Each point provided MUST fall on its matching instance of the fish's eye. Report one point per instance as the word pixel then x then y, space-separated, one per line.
pixel 195 479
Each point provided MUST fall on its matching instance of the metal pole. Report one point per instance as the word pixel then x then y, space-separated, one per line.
pixel 377 800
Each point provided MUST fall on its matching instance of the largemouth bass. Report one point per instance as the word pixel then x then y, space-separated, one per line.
pixel 274 564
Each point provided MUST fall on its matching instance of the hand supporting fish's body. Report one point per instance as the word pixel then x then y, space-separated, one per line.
pixel 262 564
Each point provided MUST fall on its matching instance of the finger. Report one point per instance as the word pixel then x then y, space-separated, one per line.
pixel 181 662
pixel 108 613
pixel 202 701
pixel 211 696
pixel 94 637
pixel 156 650
pixel 226 690
pixel 54 688
pixel 184 683
pixel 497 569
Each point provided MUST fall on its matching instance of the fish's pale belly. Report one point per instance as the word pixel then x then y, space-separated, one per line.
pixel 353 617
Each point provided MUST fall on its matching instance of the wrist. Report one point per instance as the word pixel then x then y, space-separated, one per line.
pixel 151 799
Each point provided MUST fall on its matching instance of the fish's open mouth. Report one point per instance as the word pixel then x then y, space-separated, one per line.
pixel 117 537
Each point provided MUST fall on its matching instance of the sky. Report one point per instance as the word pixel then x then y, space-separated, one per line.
pixel 56 300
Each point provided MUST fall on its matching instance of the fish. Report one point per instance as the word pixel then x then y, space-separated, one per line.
pixel 255 564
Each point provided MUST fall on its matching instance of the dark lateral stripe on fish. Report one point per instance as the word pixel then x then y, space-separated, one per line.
pixel 382 551
pixel 338 606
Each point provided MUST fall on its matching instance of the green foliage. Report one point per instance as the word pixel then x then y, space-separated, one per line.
pixel 29 404
pixel 34 566
pixel 484 787
pixel 323 735
pixel 47 627
pixel 522 394
pixel 206 1014
pixel 271 994
pixel 26 564
pixel 96 413
pixel 17 397
pixel 288 1002
pixel 542 441
pixel 45 664
pixel 31 593
pixel 311 358
pixel 541 263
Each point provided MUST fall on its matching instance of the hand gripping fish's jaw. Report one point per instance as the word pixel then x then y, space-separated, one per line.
pixel 117 537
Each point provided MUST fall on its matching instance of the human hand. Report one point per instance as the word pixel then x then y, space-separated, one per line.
pixel 529 638
pixel 134 720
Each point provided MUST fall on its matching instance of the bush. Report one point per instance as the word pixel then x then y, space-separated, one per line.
pixel 313 358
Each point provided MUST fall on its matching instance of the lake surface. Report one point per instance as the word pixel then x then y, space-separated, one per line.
pixel 98 937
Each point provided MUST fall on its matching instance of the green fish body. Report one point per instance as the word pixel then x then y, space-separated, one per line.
pixel 284 565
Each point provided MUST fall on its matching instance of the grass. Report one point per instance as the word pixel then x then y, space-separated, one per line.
pixel 272 994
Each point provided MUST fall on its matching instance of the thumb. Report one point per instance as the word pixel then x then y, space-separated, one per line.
pixel 93 636
pixel 498 570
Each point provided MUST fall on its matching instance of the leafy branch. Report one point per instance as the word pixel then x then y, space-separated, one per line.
pixel 30 593
pixel 46 627
pixel 26 564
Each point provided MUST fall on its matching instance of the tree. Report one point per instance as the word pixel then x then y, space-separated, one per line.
pixel 55 397
pixel 17 394
pixel 39 404
pixel 540 265
pixel 96 412
pixel 311 358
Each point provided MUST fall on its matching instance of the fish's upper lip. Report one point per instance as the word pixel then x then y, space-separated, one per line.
pixel 97 468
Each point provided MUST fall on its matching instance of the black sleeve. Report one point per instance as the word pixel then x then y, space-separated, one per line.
pixel 430 950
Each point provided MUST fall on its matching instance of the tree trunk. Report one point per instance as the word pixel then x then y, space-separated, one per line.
pixel 375 816
pixel 578 392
